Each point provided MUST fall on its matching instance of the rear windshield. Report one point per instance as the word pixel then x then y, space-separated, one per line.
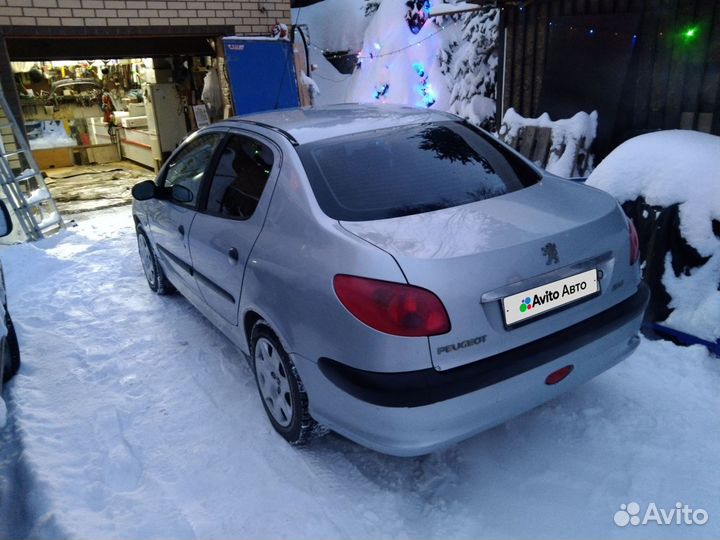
pixel 407 170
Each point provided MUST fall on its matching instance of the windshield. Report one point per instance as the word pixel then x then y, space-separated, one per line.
pixel 407 170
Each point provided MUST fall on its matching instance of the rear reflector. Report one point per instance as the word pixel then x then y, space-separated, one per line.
pixel 393 308
pixel 557 376
pixel 634 242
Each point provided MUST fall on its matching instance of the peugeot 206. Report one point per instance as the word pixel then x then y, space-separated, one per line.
pixel 393 274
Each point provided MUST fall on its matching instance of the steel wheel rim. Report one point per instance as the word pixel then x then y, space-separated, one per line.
pixel 273 382
pixel 146 258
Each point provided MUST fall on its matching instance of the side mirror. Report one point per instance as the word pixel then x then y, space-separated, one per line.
pixel 6 224
pixel 181 194
pixel 144 190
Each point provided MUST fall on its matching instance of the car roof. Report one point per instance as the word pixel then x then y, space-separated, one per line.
pixel 310 124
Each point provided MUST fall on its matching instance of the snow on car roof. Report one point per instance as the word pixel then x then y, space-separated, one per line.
pixel 309 124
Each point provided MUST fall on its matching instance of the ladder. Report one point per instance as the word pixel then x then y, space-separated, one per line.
pixel 23 187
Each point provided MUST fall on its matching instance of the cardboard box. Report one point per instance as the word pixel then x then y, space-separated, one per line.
pixel 50 158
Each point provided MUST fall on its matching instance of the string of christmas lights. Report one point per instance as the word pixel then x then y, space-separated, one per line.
pixel 688 33
pixel 360 56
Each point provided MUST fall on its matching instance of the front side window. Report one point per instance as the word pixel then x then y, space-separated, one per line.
pixel 240 177
pixel 188 167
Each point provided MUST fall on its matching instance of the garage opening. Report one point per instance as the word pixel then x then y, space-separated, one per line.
pixel 103 113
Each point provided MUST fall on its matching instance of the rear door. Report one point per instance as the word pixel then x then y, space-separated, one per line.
pixel 236 196
pixel 171 219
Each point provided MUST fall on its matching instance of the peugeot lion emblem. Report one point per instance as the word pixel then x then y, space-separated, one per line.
pixel 551 252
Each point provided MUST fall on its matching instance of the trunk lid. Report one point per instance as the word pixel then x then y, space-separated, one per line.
pixel 474 255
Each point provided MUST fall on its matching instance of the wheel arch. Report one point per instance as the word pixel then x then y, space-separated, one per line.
pixel 251 318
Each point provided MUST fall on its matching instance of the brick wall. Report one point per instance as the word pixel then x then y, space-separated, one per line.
pixel 248 18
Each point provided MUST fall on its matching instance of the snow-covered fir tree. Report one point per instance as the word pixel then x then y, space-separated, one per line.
pixel 469 62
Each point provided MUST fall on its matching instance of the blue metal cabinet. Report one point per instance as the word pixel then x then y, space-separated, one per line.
pixel 262 74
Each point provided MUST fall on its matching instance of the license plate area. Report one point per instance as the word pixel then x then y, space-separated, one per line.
pixel 531 303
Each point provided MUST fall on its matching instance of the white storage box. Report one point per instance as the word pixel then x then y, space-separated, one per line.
pixel 134 121
pixel 136 109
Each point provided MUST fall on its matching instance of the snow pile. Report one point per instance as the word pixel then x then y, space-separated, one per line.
pixel 48 219
pixel 334 25
pixel 51 134
pixel 450 9
pixel 667 168
pixel 139 420
pixel 571 140
pixel 37 195
pixel 310 85
pixel 447 63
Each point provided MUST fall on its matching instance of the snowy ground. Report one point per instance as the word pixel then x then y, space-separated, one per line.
pixel 132 417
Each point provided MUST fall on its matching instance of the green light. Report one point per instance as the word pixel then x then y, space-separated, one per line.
pixel 690 33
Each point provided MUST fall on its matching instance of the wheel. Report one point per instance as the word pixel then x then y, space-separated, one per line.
pixel 11 351
pixel 281 390
pixel 158 282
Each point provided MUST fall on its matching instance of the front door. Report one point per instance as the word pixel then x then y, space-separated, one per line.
pixel 224 232
pixel 173 218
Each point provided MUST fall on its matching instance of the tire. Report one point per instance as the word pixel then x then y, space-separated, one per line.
pixel 11 352
pixel 156 278
pixel 276 377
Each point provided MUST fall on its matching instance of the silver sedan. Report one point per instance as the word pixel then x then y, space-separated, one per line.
pixel 392 274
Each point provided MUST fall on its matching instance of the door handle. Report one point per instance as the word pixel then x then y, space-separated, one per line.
pixel 181 230
pixel 233 255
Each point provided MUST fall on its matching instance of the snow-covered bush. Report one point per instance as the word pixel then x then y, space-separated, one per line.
pixel 669 183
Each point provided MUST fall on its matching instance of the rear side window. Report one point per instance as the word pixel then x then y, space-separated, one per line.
pixel 240 177
pixel 406 170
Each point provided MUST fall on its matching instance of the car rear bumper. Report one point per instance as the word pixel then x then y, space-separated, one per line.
pixel 414 413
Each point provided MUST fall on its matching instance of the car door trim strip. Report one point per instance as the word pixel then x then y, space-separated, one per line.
pixel 174 258
pixel 214 286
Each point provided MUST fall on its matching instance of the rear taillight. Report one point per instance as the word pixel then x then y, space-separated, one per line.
pixel 634 242
pixel 393 308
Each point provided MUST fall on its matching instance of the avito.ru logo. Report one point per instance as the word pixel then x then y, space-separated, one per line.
pixel 681 514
